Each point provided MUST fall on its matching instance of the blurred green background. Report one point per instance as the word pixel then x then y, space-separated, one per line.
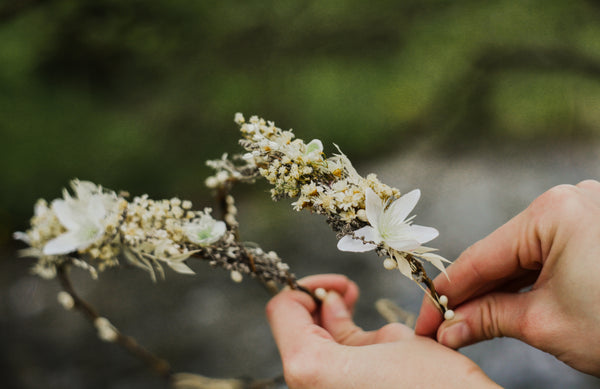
pixel 136 95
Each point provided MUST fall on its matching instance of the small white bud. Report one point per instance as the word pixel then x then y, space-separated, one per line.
pixel 66 300
pixel 320 293
pixel 362 215
pixel 449 314
pixel 211 182
pixel 106 331
pixel 236 276
pixel 232 209
pixel 444 300
pixel 239 118
pixel 389 264
pixel 230 219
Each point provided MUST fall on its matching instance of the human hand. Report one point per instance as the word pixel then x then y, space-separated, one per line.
pixel 321 347
pixel 554 247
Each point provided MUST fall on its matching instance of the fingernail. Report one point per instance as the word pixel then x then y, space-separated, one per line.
pixel 455 335
pixel 336 305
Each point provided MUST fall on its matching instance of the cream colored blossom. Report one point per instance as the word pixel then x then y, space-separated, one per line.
pixel 204 230
pixel 85 217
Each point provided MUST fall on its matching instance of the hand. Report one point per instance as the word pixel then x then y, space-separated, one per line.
pixel 554 247
pixel 323 348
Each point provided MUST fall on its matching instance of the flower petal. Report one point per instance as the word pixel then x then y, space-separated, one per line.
pixel 96 208
pixel 369 234
pixel 180 267
pixel 423 234
pixel 65 213
pixel 350 243
pixel 373 207
pixel 404 267
pixel 436 260
pixel 63 244
pixel 403 245
pixel 397 212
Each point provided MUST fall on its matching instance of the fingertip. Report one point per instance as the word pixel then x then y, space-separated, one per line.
pixel 286 298
pixel 337 282
pixel 455 333
pixel 334 308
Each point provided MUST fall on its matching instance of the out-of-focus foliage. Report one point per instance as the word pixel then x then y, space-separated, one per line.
pixel 137 94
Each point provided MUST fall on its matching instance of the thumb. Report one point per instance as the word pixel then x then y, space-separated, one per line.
pixel 337 320
pixel 490 316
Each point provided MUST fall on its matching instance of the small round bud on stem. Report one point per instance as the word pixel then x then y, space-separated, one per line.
pixel 362 215
pixel 320 293
pixel 236 276
pixel 389 264
pixel 106 331
pixel 449 314
pixel 444 300
pixel 66 300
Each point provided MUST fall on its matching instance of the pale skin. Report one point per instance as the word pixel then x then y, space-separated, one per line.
pixel 552 247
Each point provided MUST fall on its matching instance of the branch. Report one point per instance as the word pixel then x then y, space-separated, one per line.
pixel 392 313
pixel 156 364
pixel 160 366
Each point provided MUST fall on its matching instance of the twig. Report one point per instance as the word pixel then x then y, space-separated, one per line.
pixel 156 364
pixel 420 276
pixel 392 313
pixel 161 366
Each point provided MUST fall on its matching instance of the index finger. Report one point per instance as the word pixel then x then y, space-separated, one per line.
pixel 510 252
pixel 338 282
pixel 290 316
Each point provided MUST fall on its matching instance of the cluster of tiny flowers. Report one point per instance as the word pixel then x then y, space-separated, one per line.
pixel 365 213
pixel 164 231
pixel 96 229
pixel 328 186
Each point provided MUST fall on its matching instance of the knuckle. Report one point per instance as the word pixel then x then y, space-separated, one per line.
pixel 390 332
pixel 488 319
pixel 348 334
pixel 590 184
pixel 271 307
pixel 556 203
pixel 557 196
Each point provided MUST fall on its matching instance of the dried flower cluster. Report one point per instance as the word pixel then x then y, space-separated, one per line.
pixel 365 213
pixel 96 229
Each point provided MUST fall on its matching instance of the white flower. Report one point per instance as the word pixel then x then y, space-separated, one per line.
pixel 205 230
pixel 84 218
pixel 389 226
pixel 314 150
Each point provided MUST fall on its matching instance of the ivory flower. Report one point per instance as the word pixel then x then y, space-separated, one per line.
pixel 388 226
pixel 84 217
pixel 205 230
